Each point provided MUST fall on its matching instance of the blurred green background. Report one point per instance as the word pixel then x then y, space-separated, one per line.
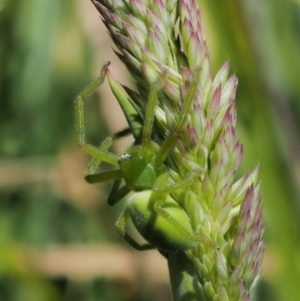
pixel 57 236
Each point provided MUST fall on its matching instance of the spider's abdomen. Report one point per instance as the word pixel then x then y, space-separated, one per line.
pixel 157 228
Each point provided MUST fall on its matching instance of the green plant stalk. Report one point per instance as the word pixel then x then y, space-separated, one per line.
pixel 182 277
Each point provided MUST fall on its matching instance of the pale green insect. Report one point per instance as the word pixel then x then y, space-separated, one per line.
pixel 155 214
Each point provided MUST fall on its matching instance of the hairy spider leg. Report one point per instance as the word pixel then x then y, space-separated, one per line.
pixel 196 237
pixel 102 155
pixel 120 226
pixel 116 175
pixel 133 118
pixel 171 139
pixel 161 190
pixel 91 176
pixel 117 193
pixel 104 146
pixel 150 112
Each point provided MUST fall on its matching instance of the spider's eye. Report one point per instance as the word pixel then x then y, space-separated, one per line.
pixel 124 158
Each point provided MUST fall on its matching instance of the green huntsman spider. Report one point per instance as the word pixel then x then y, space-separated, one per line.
pixel 157 216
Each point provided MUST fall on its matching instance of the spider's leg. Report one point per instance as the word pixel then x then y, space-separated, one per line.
pixel 79 114
pixel 120 225
pixel 117 194
pixel 175 132
pixel 80 126
pixel 94 163
pixel 104 176
pixel 150 111
pixel 160 189
pixel 158 207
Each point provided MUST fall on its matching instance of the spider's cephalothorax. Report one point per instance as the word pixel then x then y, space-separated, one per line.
pixel 154 212
pixel 137 167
